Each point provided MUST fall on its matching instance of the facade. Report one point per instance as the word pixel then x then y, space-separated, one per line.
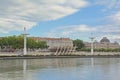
pixel 104 43
pixel 55 43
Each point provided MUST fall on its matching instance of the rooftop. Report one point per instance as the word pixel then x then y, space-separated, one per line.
pixel 105 39
pixel 45 39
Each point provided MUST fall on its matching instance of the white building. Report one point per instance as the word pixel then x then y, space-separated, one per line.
pixel 55 43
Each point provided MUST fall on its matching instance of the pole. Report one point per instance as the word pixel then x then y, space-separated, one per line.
pixel 25 50
pixel 25 42
pixel 92 46
pixel 92 50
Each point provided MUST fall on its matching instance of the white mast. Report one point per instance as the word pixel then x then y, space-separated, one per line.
pixel 92 50
pixel 25 41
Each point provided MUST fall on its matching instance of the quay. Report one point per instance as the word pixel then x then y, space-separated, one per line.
pixel 44 55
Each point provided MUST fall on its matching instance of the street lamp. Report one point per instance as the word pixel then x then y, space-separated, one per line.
pixel 92 38
pixel 25 41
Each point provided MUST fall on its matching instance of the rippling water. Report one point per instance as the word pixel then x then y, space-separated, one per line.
pixel 61 69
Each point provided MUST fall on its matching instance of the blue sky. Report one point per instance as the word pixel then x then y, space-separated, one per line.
pixel 61 18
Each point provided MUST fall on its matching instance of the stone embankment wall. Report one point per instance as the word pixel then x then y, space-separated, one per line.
pixel 52 53
pixel 97 53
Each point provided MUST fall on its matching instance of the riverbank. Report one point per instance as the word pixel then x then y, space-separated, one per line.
pixel 64 56
pixel 42 55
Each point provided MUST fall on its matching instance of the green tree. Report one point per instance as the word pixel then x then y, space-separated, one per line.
pixel 78 43
pixel 17 42
pixel 42 44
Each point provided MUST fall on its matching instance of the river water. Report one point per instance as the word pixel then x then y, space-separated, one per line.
pixel 61 69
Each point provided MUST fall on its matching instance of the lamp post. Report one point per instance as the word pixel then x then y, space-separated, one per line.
pixel 92 50
pixel 25 41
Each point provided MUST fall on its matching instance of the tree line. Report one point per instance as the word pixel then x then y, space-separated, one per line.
pixel 17 42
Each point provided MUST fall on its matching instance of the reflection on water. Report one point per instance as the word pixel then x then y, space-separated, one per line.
pixel 61 69
pixel 24 68
pixel 92 62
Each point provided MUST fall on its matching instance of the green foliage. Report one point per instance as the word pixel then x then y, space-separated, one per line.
pixel 10 41
pixel 42 44
pixel 18 42
pixel 31 43
pixel 85 49
pixel 78 43
pixel 101 50
pixel 107 50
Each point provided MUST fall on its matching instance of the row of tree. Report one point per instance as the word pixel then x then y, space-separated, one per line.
pixel 17 42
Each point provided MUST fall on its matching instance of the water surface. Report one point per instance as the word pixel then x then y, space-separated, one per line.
pixel 61 69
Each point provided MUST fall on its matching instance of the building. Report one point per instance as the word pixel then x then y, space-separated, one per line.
pixel 104 43
pixel 55 43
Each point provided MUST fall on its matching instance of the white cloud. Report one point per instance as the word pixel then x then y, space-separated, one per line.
pixel 16 14
pixel 115 18
pixel 80 31
pixel 113 25
pixel 7 25
pixel 109 27
pixel 70 31
pixel 109 4
pixel 84 28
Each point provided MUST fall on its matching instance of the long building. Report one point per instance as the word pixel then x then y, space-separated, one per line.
pixel 104 43
pixel 55 43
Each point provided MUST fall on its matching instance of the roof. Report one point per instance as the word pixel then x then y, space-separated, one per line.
pixel 47 39
pixel 104 39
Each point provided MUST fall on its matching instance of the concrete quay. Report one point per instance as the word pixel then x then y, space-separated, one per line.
pixel 44 55
pixel 80 53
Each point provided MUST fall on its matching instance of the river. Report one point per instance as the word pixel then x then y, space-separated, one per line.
pixel 61 69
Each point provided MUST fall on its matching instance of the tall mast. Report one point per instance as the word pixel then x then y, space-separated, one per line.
pixel 25 41
pixel 92 39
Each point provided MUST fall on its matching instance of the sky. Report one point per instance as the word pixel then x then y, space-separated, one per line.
pixel 75 19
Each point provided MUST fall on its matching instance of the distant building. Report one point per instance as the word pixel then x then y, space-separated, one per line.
pixel 104 43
